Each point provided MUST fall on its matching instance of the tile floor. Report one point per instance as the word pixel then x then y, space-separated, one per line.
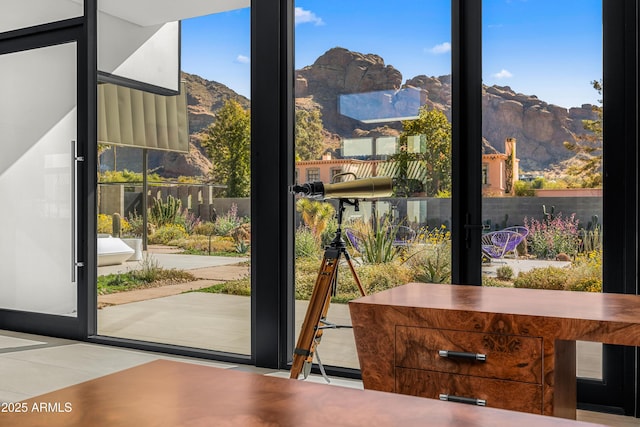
pixel 32 365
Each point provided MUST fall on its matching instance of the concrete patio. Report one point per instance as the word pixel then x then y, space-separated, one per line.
pixel 223 322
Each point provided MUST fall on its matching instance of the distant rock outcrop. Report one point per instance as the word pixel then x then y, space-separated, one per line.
pixel 540 128
pixel 204 98
pixel 340 71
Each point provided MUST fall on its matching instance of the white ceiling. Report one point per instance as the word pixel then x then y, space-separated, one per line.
pixel 153 12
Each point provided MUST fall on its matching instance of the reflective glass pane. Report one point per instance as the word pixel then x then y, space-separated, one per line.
pixel 542 149
pixel 184 279
pixel 38 127
pixel 373 99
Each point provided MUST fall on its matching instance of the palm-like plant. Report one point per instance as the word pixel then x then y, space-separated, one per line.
pixel 315 214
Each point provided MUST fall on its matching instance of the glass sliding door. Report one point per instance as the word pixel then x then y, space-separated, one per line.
pixel 174 176
pixel 542 159
pixel 372 99
pixel 38 133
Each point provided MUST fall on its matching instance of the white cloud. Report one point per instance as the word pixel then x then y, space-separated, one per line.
pixel 242 59
pixel 441 48
pixel 306 16
pixel 503 74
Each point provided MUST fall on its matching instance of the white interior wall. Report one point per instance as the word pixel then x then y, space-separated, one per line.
pixel 28 13
pixel 146 54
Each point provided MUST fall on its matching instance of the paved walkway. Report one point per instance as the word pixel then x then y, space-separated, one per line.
pixel 209 270
pixel 223 322
pixel 520 265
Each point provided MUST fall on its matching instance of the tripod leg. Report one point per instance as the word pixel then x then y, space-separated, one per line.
pixel 318 306
pixel 354 274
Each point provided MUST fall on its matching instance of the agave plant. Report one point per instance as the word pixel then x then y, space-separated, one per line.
pixel 376 241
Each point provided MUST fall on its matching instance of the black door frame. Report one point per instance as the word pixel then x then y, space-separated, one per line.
pixel 66 31
pixel 273 168
pixel 617 392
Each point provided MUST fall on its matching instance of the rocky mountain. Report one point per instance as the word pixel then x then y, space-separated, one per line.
pixel 204 98
pixel 540 128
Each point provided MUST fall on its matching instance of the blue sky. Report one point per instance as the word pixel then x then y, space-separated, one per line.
pixel 548 48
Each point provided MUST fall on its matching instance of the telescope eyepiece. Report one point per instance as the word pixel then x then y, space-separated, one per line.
pixel 308 189
pixel 355 189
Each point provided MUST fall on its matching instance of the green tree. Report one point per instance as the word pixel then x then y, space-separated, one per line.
pixel 228 145
pixel 434 133
pixel 309 138
pixel 588 148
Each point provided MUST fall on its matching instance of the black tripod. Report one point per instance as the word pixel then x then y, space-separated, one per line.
pixel 325 287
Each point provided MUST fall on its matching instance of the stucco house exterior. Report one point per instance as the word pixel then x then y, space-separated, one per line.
pixel 499 170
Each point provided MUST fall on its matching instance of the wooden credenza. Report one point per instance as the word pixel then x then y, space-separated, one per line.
pixel 497 347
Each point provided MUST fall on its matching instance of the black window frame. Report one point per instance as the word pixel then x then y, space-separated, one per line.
pixel 273 170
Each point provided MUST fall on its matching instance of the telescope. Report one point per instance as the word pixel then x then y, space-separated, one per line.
pixel 364 188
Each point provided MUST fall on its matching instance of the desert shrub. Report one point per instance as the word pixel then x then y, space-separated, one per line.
pixel 205 229
pixel 585 273
pixel 224 224
pixel 376 241
pixel 553 236
pixel 144 277
pixel 329 232
pixel 240 287
pixel 150 271
pixel 167 233
pixel 431 265
pixel 523 189
pixel 306 245
pixel 495 283
pixel 203 244
pixel 374 278
pixel 504 272
pixel 587 264
pixel 105 224
pixel 306 273
pixel 127 176
pixel 188 220
pixel 586 284
pixel 542 278
pixel 431 259
pixel 241 233
pixel 136 226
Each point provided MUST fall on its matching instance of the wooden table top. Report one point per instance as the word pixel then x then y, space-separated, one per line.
pixel 527 302
pixel 167 393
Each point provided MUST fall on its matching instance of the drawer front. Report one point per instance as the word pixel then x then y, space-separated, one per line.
pixel 510 357
pixel 511 395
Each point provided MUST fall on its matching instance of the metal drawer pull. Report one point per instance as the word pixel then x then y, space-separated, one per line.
pixel 467 400
pixel 462 355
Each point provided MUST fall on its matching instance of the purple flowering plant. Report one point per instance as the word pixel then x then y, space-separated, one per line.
pixel 553 236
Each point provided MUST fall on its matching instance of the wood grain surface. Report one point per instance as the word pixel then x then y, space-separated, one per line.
pixel 167 393
pixel 555 318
